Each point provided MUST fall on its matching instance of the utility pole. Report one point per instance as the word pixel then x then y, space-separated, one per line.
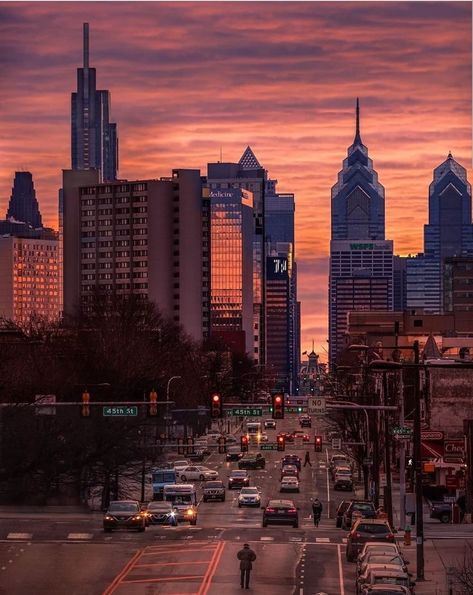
pixel 388 495
pixel 418 469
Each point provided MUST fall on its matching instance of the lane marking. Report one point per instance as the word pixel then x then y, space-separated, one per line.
pixel 80 536
pixel 340 570
pixel 328 485
pixel 266 538
pixel 19 536
pixel 205 586
pixel 322 540
pixel 117 580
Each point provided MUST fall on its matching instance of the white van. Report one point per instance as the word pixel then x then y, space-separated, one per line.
pixel 183 497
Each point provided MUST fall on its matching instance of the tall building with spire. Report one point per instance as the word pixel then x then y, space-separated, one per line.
pixel 361 260
pixel 448 234
pixel 23 205
pixel 94 140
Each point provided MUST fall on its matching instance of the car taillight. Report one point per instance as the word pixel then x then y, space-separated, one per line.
pixel 292 510
pixel 390 536
pixel 270 510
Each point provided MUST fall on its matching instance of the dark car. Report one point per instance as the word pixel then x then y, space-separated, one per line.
pixel 124 514
pixel 291 460
pixel 443 510
pixel 252 462
pixel 305 421
pixel 238 479
pixel 364 507
pixel 367 530
pixel 280 512
pixel 344 504
pixel 233 453
pixel 289 436
pixel 160 513
pixel 197 457
pixel 213 490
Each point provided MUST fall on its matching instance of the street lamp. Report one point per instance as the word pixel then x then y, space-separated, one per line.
pixel 167 403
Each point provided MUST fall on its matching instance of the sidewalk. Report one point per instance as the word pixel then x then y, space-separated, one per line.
pixel 434 570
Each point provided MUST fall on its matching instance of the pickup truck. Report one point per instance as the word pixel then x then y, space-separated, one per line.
pixel 252 462
pixel 441 511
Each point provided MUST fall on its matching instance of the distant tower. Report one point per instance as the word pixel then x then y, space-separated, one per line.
pixel 94 140
pixel 23 205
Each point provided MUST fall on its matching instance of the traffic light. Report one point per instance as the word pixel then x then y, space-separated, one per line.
pixel 318 444
pixel 216 405
pixel 153 404
pixel 222 445
pixel 244 443
pixel 85 409
pixel 281 443
pixel 278 406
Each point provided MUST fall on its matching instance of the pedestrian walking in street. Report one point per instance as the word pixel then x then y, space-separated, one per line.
pixel 307 459
pixel 317 511
pixel 246 556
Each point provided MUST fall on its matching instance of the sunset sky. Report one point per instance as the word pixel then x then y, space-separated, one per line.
pixel 189 78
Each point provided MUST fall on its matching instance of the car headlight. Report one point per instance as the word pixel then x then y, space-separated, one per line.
pixel 172 514
pixel 137 518
pixel 190 512
pixel 108 518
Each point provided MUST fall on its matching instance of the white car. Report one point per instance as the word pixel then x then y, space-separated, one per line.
pixel 180 465
pixel 289 484
pixel 249 497
pixel 269 423
pixel 197 473
pixel 263 437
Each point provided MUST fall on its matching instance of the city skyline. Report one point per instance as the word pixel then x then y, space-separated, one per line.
pixel 180 97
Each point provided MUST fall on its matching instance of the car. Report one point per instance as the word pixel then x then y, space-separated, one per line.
pixel 197 473
pixel 252 462
pixel 340 468
pixel 362 578
pixel 291 459
pixel 344 504
pixel 124 514
pixel 233 453
pixel 197 457
pixel 230 440
pixel 213 490
pixel 201 444
pixel 289 484
pixel 161 513
pixel 365 530
pixel 180 465
pixel 443 511
pixel 238 479
pixel 301 435
pixel 376 558
pixel 289 471
pixel 305 421
pixel 375 576
pixel 280 512
pixel 288 436
pixel 380 548
pixel 249 496
pixel 269 424
pixel 263 437
pixel 364 507
pixel 343 481
pixel 213 437
pixel 338 459
pixel 386 589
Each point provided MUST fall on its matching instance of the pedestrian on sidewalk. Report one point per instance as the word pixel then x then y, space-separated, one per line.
pixel 307 459
pixel 246 556
pixel 317 511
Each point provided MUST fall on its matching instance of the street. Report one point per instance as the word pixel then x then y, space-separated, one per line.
pixel 57 553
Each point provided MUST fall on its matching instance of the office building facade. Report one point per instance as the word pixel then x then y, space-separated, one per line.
pixel 23 205
pixel 94 139
pixel 145 237
pixel 361 260
pixel 458 285
pixel 278 337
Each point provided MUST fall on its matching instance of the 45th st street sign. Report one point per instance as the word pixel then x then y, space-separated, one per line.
pixel 316 406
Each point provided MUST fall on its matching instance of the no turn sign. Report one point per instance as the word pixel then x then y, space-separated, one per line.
pixel 316 406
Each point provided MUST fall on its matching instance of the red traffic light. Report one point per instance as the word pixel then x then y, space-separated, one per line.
pixel 215 398
pixel 318 443
pixel 277 399
pixel 216 405
pixel 281 443
pixel 244 443
pixel 153 406
pixel 278 406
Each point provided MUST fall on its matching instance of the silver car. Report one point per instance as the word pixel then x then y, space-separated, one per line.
pixel 197 473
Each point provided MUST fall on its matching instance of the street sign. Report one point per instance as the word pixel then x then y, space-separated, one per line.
pixel 299 409
pixel 336 443
pixel 316 406
pixel 367 461
pixel 245 411
pixel 117 411
pixel 401 431
pixel 269 446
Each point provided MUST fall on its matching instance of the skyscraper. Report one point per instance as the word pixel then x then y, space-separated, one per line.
pixel 361 261
pixel 449 233
pixel 23 205
pixel 94 140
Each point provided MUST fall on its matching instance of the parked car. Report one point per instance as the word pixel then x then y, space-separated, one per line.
pixel 213 490
pixel 371 547
pixel 344 504
pixel 375 557
pixel 238 479
pixel 338 459
pixel 374 576
pixel 249 496
pixel 269 424
pixel 289 471
pixel 252 462
pixel 124 514
pixel 233 453
pixel 361 579
pixel 160 513
pixel 340 468
pixel 289 484
pixel 364 507
pixel 343 481
pixel 197 473
pixel 365 530
pixel 291 460
pixel 280 512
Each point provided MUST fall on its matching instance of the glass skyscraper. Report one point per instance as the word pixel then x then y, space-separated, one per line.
pixel 23 205
pixel 94 140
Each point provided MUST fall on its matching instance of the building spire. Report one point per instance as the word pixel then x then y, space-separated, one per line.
pixel 357 140
pixel 86 44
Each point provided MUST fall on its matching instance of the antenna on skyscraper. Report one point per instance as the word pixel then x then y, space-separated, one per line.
pixel 86 45
pixel 221 154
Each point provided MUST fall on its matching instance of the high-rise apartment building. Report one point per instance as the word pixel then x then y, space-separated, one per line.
pixel 29 273
pixel 278 321
pixel 449 233
pixel 361 260
pixel 141 237
pixel 231 265
pixel 23 205
pixel 94 140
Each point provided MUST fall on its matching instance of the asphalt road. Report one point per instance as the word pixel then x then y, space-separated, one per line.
pixel 69 554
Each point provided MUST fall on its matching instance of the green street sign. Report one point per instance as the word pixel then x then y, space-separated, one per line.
pixel 245 411
pixel 117 411
pixel 269 446
pixel 299 409
pixel 401 431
